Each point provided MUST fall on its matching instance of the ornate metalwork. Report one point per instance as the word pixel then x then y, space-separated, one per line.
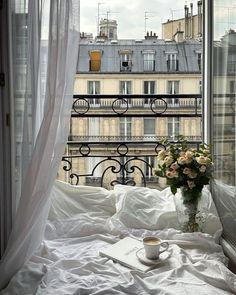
pixel 133 105
pixel 122 160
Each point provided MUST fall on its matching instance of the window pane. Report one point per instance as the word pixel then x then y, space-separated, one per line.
pixel 148 60
pixel 95 61
pixel 223 126
pixel 125 87
pixel 173 127
pixel 149 126
pixel 125 127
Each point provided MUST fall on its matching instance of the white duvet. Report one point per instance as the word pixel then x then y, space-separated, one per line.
pixel 83 220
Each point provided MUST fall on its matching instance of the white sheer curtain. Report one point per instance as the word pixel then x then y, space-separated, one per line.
pixel 45 124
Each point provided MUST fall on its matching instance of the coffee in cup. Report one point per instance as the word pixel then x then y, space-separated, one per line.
pixel 152 247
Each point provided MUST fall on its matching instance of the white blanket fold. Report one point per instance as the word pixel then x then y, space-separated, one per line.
pixel 68 262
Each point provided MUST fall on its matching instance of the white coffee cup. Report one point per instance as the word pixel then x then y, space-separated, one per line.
pixel 152 247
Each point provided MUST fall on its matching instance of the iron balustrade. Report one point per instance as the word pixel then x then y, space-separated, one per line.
pixel 122 159
pixel 132 105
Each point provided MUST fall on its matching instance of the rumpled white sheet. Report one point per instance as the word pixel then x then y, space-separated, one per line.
pixel 68 262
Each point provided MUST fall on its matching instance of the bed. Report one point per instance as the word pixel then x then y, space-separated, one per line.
pixel 83 220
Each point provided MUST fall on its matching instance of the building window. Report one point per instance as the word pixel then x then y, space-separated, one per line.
pixel 173 128
pixel 149 61
pixel 125 127
pixel 149 161
pixel 231 64
pixel 172 62
pixel 148 88
pixel 94 88
pixel 125 61
pixel 95 61
pixel 173 88
pixel 125 87
pixel 149 127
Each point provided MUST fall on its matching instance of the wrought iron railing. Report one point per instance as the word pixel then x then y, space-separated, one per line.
pixel 121 159
pixel 132 105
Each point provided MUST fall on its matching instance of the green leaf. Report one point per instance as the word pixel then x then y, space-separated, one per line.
pixel 173 189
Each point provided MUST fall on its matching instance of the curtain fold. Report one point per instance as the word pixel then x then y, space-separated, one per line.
pixel 46 123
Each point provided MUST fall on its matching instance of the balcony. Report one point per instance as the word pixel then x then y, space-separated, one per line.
pixel 100 155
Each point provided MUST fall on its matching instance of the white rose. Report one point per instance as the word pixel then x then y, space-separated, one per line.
pixel 168 161
pixel 189 154
pixel 162 154
pixel 202 160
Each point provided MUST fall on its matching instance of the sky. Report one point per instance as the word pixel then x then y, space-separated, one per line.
pixel 131 15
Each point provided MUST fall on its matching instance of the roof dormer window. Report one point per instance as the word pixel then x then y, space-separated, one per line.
pixel 148 60
pixel 95 60
pixel 125 60
pixel 172 61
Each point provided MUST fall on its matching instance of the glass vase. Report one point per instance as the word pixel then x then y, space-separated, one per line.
pixel 191 213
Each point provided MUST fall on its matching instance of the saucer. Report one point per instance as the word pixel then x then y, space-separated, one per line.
pixel 142 258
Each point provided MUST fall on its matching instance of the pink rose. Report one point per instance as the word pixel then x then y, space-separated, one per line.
pixel 181 160
pixel 170 174
pixel 174 166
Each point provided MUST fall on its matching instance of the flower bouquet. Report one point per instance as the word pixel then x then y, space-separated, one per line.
pixel 188 169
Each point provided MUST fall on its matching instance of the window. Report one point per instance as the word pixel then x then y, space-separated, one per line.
pixel 231 63
pixel 125 127
pixel 148 61
pixel 148 88
pixel 125 61
pixel 222 126
pixel 125 87
pixel 149 126
pixel 173 128
pixel 95 61
pixel 149 161
pixel 173 88
pixel 94 88
pixel 172 62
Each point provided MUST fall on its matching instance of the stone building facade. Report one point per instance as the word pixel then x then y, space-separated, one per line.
pixel 148 66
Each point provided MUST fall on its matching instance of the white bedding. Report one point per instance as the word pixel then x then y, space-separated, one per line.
pixel 68 262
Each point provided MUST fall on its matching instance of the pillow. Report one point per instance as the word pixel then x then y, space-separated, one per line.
pixel 68 200
pixel 145 208
pixel 140 207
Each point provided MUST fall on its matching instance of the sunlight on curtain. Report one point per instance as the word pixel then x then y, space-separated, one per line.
pixel 224 95
pixel 49 38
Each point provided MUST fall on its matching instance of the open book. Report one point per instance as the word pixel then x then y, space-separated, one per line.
pixel 124 252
